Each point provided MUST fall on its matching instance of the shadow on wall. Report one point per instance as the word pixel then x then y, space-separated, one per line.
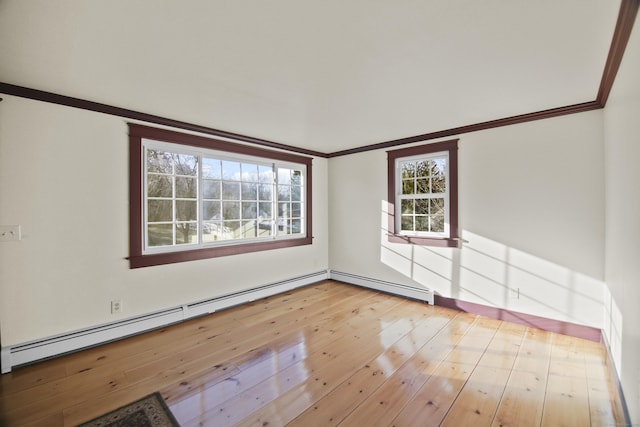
pixel 493 274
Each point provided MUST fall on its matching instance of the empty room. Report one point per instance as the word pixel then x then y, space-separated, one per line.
pixel 319 213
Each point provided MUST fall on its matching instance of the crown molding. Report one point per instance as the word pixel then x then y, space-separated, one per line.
pixel 624 25
pixel 626 19
pixel 68 101
pixel 522 118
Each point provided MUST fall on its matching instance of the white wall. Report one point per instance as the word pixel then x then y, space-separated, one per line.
pixel 64 179
pixel 531 207
pixel 622 271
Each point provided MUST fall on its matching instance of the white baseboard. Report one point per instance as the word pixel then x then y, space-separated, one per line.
pixel 423 294
pixel 25 353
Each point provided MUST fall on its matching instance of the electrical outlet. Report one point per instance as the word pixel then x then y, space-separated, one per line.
pixel 116 306
pixel 10 233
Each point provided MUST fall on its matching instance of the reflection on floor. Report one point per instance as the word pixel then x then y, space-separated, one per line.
pixel 329 354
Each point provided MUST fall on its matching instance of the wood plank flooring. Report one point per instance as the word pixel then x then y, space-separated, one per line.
pixel 328 354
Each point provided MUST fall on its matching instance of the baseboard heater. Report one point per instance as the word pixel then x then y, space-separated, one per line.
pixel 422 294
pixel 58 345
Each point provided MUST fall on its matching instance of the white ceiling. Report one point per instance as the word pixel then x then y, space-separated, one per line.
pixel 323 75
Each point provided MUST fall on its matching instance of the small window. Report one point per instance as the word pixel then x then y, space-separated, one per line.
pixel 201 198
pixel 423 194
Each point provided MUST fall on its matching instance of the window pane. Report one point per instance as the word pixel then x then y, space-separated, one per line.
pixel 296 194
pixel 284 176
pixel 407 206
pixel 231 210
pixel 407 223
pixel 249 172
pixel 264 210
pixel 437 206
pixel 295 210
pixel 160 234
pixel 224 233
pixel 408 169
pixel 186 187
pixel 211 189
pixel 265 192
pixel 249 191
pixel 230 170
pixel 230 190
pixel 438 167
pixel 264 228
pixel 296 177
pixel 437 223
pixel 186 164
pixel 211 210
pixel 231 230
pixel 296 226
pixel 266 174
pixel 422 206
pixel 211 231
pixel 249 210
pixel 422 168
pixel 249 229
pixel 211 168
pixel 286 229
pixel 159 161
pixel 186 210
pixel 284 192
pixel 186 233
pixel 438 184
pixel 159 210
pixel 422 223
pixel 422 185
pixel 159 186
pixel 283 210
pixel 408 186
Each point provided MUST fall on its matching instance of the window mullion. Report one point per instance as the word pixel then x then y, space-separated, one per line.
pixel 275 215
pixel 199 204
pixel 173 202
pixel 240 200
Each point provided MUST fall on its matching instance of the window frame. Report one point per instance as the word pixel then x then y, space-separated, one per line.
pixel 174 254
pixel 393 233
pixel 444 155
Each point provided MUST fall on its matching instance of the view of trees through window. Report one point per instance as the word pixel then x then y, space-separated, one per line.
pixel 423 195
pixel 172 194
pixel 200 199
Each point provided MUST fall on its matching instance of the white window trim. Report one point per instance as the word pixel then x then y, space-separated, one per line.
pixel 400 196
pixel 221 155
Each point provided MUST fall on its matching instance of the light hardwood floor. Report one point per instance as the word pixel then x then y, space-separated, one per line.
pixel 328 354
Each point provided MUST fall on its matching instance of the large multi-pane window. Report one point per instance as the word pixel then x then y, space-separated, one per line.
pixel 195 198
pixel 423 194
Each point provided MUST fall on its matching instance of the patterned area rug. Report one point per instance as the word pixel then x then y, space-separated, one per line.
pixel 150 411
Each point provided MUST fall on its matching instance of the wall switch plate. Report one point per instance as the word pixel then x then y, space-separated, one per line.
pixel 10 233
